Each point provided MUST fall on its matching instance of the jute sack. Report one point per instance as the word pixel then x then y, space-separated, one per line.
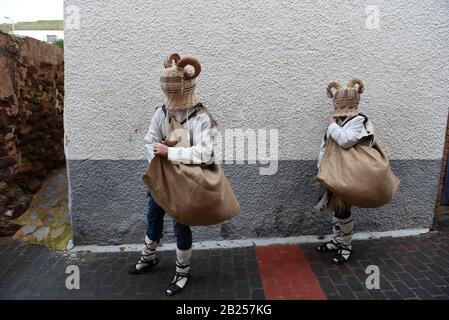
pixel 360 176
pixel 195 195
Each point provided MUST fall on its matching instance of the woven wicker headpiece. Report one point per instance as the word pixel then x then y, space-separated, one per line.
pixel 346 99
pixel 178 83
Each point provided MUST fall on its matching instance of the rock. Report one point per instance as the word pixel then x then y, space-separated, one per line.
pixel 42 174
pixel 12 46
pixel 57 134
pixel 9 229
pixel 39 166
pixel 26 198
pixel 35 107
pixel 22 116
pixel 3 152
pixel 37 143
pixel 11 196
pixel 57 232
pixel 3 201
pixel 5 174
pixel 24 167
pixel 34 215
pixel 19 208
pixel 29 229
pixel 33 185
pixel 48 144
pixel 8 213
pixel 70 245
pixel 27 149
pixel 34 100
pixel 35 117
pixel 53 122
pixel 6 83
pixel 41 233
pixel 32 70
pixel 6 162
pixel 4 119
pixel 41 128
pixel 6 130
pixel 3 187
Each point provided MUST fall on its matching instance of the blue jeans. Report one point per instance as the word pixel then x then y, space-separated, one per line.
pixel 155 218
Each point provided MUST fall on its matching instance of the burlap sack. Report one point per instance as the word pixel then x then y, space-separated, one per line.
pixel 195 195
pixel 360 175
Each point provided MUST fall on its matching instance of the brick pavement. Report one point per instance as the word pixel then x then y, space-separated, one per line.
pixel 287 274
pixel 410 268
pixel 35 272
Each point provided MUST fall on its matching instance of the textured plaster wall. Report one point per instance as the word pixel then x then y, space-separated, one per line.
pixel 265 64
pixel 109 203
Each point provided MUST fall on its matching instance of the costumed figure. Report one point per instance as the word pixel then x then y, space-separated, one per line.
pixel 353 170
pixel 183 177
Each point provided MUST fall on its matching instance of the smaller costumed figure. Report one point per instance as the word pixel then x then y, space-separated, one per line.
pixel 352 168
pixel 183 176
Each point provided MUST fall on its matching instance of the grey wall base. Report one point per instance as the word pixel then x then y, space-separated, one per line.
pixel 109 203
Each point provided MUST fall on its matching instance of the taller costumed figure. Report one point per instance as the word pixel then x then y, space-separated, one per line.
pixel 183 177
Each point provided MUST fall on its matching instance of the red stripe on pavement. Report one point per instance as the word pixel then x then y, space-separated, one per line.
pixel 286 274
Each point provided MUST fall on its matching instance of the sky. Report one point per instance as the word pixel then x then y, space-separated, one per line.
pixel 31 10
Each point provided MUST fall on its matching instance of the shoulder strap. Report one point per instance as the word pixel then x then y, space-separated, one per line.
pixel 366 118
pixel 361 115
pixel 164 110
pixel 198 108
pixel 370 137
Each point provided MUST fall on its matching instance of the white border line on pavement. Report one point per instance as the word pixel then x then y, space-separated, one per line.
pixel 223 244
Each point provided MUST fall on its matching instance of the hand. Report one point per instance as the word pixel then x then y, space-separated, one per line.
pixel 160 149
pixel 331 120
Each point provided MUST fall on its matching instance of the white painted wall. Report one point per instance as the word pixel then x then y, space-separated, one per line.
pixel 40 34
pixel 266 64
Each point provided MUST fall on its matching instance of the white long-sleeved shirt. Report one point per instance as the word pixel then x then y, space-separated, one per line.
pixel 200 133
pixel 346 134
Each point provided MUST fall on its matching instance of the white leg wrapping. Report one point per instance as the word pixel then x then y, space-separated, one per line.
pixel 333 244
pixel 182 265
pixel 148 253
pixel 344 238
pixel 345 227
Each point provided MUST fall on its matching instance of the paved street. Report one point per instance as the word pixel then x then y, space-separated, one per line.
pixel 410 268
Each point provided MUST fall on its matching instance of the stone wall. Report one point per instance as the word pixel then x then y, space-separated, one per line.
pixel 31 118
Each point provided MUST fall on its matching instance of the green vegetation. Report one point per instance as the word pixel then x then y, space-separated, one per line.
pixel 34 25
pixel 59 43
